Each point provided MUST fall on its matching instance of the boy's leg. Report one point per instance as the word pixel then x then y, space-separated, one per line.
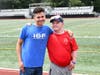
pixel 56 70
pixel 66 71
pixel 39 71
pixel 28 71
pixel 32 71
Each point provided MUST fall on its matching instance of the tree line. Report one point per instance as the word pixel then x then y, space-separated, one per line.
pixel 18 4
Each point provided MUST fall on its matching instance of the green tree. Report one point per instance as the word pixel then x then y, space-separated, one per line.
pixel 97 5
pixel 9 4
pixel 37 1
pixel 4 4
pixel 22 3
pixel 88 2
pixel 59 3
pixel 75 3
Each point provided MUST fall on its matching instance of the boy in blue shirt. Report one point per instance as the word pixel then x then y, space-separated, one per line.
pixel 31 44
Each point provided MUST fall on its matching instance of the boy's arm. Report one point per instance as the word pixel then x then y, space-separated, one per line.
pixel 18 50
pixel 74 57
pixel 74 52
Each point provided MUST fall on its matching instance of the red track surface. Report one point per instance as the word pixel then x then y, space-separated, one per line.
pixel 12 72
pixel 5 71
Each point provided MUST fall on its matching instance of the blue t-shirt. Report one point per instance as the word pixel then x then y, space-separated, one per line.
pixel 35 41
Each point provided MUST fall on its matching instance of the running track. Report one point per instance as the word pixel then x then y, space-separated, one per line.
pixel 12 72
pixel 6 71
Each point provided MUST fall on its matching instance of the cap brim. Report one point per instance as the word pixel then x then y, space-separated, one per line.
pixel 53 20
pixel 56 20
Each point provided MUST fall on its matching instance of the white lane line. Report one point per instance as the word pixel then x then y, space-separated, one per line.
pixel 85 37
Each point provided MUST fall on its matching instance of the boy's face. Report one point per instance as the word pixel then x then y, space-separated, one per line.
pixel 39 18
pixel 57 26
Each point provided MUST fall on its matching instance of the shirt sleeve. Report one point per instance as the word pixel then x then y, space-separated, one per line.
pixel 23 33
pixel 74 44
pixel 50 31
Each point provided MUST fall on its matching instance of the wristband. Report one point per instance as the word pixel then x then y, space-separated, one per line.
pixel 73 62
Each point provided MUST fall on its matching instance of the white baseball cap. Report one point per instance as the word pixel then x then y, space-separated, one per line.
pixel 56 18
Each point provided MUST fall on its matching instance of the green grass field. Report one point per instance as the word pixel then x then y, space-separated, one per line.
pixel 86 31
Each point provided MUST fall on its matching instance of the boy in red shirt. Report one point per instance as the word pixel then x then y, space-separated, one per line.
pixel 62 49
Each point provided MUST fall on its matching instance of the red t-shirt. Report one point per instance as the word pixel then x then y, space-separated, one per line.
pixel 60 47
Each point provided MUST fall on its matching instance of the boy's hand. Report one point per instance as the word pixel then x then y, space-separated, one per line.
pixel 21 66
pixel 71 66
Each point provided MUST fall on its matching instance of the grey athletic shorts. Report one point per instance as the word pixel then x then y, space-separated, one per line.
pixel 56 70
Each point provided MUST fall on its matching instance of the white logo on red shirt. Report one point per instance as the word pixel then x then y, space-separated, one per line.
pixel 65 40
